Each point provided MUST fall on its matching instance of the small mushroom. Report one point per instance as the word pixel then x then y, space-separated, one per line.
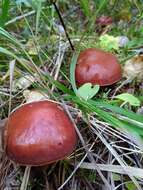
pixel 104 20
pixel 97 67
pixel 39 133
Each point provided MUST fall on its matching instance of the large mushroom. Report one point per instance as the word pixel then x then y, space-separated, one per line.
pixel 97 67
pixel 39 133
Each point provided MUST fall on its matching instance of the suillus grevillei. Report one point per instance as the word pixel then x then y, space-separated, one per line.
pixel 97 67
pixel 39 133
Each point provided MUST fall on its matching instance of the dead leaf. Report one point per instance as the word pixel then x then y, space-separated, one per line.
pixel 133 68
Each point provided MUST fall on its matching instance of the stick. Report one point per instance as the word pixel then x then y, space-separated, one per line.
pixel 63 24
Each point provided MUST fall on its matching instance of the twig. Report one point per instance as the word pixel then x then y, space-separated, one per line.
pixel 63 24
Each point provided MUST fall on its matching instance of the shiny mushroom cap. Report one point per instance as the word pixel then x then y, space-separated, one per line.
pixel 39 133
pixel 97 67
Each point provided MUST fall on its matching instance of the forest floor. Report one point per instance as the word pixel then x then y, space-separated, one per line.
pixel 39 44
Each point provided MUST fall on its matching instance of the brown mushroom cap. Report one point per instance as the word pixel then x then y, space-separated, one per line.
pixel 97 67
pixel 39 133
pixel 104 20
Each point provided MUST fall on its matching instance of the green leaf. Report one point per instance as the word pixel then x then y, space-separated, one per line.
pixel 109 42
pixel 126 97
pixel 87 91
pixel 130 186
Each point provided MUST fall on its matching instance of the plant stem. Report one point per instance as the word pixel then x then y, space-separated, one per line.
pixel 63 24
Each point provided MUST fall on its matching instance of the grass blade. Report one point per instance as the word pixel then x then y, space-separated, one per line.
pixel 117 110
pixel 5 9
pixel 85 5
pixel 72 71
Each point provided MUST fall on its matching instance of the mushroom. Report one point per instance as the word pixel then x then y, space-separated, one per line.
pixel 97 67
pixel 39 133
pixel 104 20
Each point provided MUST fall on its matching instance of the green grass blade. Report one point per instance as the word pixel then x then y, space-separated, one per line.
pixel 9 37
pixel 117 110
pixel 101 5
pixel 108 117
pixel 11 54
pixel 4 14
pixel 39 8
pixel 72 71
pixel 60 86
pixel 85 5
pixel 12 39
